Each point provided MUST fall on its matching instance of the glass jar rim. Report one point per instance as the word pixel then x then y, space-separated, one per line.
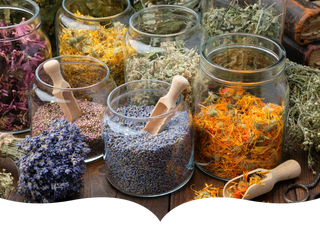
pixel 141 118
pixel 35 14
pixel 72 89
pixel 280 59
pixel 161 7
pixel 95 18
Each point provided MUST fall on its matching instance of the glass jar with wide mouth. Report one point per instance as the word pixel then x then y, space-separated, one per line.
pixel 262 17
pixel 81 100
pixel 241 102
pixel 161 42
pixel 139 163
pixel 94 28
pixel 23 46
pixel 192 4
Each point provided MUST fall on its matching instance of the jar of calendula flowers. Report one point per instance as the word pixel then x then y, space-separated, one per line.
pixel 241 102
pixel 74 88
pixel 262 17
pixel 161 42
pixel 23 46
pixel 141 161
pixel 94 28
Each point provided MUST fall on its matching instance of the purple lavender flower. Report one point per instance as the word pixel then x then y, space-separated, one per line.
pixel 53 163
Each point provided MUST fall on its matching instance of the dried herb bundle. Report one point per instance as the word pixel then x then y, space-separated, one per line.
pixel 175 59
pixel 6 184
pixel 304 109
pixel 250 18
pixel 8 146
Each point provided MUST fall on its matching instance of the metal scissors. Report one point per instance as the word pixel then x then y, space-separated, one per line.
pixel 305 187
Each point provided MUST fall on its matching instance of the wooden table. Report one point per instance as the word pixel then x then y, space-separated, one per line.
pixel 96 185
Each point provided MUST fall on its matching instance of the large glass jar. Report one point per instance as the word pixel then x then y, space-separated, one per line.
pixel 192 4
pixel 139 163
pixel 23 46
pixel 161 42
pixel 262 17
pixel 94 28
pixel 241 102
pixel 82 103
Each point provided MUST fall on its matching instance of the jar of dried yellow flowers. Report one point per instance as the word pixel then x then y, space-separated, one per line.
pixel 94 28
pixel 161 42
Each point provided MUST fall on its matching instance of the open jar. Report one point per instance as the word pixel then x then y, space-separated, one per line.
pixel 161 42
pixel 139 163
pixel 187 3
pixel 90 85
pixel 23 46
pixel 262 17
pixel 96 29
pixel 241 102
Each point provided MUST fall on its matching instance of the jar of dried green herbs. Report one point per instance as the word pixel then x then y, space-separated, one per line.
pixel 23 46
pixel 241 101
pixel 262 17
pixel 94 28
pixel 140 163
pixel 192 4
pixel 161 42
pixel 81 98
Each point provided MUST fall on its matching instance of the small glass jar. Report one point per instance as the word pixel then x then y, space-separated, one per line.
pixel 192 4
pixel 90 85
pixel 139 163
pixel 262 17
pixel 241 102
pixel 23 46
pixel 161 42
pixel 96 29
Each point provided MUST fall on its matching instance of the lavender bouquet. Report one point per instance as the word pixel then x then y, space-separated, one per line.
pixel 52 164
pixel 22 49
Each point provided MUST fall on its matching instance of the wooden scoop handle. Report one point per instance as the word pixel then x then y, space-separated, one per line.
pixel 287 170
pixel 66 100
pixel 178 84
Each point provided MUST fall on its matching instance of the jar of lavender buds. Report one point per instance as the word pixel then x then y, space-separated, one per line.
pixel 139 163
pixel 23 46
pixel 161 42
pixel 75 88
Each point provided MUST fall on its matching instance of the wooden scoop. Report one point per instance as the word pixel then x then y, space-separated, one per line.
pixel 66 100
pixel 287 170
pixel 165 104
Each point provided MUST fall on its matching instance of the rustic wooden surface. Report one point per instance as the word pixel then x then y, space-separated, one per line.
pixel 96 185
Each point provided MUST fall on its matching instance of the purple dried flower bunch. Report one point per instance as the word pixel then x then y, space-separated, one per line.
pixel 22 49
pixel 53 165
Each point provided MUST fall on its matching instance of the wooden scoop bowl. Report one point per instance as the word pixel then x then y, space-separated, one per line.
pixel 67 102
pixel 285 171
pixel 165 104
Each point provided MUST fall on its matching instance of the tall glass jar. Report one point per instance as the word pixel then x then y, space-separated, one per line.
pixel 82 103
pixel 139 163
pixel 161 42
pixel 94 28
pixel 241 102
pixel 262 17
pixel 23 46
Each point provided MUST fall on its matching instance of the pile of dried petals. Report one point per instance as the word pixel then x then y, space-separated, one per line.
pixel 237 132
pixel 207 192
pixel 238 189
pixel 101 42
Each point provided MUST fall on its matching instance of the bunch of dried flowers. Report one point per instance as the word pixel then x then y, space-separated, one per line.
pixel 21 51
pixel 8 146
pixel 175 59
pixel 6 184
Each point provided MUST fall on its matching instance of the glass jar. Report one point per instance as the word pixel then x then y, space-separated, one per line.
pixel 192 4
pixel 96 29
pixel 139 163
pixel 90 85
pixel 161 42
pixel 262 17
pixel 241 102
pixel 23 46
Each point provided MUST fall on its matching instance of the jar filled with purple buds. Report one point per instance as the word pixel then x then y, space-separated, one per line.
pixel 74 88
pixel 141 162
pixel 23 46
